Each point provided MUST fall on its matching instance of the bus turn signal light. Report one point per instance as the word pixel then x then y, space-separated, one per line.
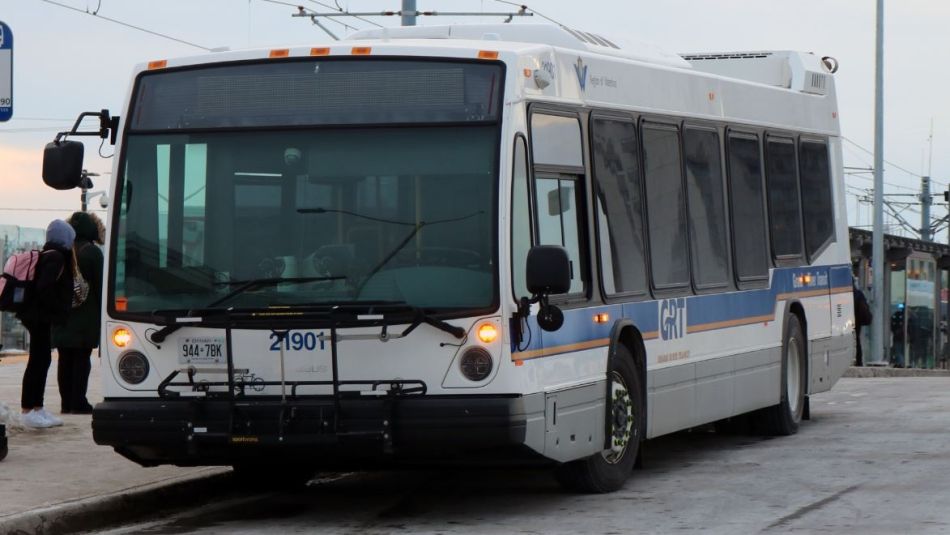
pixel 121 337
pixel 487 333
pixel 603 317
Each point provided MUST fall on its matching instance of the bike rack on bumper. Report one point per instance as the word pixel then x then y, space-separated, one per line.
pixel 199 422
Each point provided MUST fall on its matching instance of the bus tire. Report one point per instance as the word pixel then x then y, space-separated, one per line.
pixel 783 419
pixel 607 471
pixel 271 476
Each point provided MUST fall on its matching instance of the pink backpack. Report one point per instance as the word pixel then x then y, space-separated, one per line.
pixel 16 282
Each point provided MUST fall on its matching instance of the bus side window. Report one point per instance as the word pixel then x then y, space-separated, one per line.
pixel 619 205
pixel 816 189
pixel 520 218
pixel 785 216
pixel 748 208
pixel 708 230
pixel 666 206
pixel 559 166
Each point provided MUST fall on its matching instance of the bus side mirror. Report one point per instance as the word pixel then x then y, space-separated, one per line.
pixel 62 164
pixel 548 270
pixel 62 159
pixel 548 273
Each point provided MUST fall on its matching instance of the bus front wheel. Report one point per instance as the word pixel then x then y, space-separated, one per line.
pixel 608 471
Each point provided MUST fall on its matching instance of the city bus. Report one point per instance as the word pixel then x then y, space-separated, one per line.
pixel 468 244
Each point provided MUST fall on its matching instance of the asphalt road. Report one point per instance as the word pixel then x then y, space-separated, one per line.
pixel 875 458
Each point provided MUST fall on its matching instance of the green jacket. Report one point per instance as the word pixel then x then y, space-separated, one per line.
pixel 81 329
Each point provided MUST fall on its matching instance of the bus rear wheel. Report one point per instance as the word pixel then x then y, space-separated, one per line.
pixel 783 419
pixel 608 470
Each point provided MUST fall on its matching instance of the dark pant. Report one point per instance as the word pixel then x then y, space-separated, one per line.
pixel 73 376
pixel 34 378
pixel 858 354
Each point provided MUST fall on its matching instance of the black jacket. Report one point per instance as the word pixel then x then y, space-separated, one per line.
pixel 53 291
pixel 81 328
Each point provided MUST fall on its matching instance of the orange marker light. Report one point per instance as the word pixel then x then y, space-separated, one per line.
pixel 157 64
pixel 279 53
pixel 361 51
pixel 527 73
pixel 487 333
pixel 121 304
pixel 487 54
pixel 601 318
pixel 121 337
pixel 320 51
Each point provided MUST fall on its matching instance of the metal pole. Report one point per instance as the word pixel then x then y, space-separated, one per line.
pixel 926 199
pixel 408 12
pixel 877 241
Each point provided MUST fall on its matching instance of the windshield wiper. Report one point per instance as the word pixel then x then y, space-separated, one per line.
pixel 160 335
pixel 420 316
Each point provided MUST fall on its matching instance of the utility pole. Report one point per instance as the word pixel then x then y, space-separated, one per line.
pixel 408 12
pixel 926 200
pixel 877 240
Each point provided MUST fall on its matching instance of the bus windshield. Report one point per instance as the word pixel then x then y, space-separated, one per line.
pixel 390 212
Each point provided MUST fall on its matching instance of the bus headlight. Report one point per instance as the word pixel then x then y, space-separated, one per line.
pixel 133 367
pixel 476 364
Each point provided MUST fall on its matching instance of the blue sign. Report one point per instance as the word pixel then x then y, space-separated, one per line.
pixel 6 72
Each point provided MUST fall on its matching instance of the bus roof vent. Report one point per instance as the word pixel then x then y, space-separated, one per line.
pixel 798 71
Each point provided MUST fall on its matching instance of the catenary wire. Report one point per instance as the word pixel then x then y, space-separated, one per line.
pixel 127 25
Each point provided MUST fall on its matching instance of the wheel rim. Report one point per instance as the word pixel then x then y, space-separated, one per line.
pixel 793 376
pixel 622 420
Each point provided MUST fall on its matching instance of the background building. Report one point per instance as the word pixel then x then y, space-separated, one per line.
pixel 915 298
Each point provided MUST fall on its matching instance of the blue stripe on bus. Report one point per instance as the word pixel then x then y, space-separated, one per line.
pixel 705 312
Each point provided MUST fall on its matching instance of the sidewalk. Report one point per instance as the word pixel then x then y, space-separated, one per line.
pixel 53 471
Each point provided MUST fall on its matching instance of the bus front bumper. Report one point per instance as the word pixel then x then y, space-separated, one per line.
pixel 320 430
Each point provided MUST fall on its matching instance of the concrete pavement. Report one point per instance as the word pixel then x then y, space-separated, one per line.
pixel 57 474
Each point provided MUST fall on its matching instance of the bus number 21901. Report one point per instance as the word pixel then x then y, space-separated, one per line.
pixel 296 341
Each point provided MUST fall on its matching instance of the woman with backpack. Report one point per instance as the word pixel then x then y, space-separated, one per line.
pixel 49 302
pixel 79 334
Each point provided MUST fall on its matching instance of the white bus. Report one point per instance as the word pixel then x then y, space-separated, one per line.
pixel 466 244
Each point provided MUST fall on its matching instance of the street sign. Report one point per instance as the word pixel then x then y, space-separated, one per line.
pixel 6 72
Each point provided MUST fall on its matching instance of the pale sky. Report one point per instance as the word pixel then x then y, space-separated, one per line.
pixel 66 62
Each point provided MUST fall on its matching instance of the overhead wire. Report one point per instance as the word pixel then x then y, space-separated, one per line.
pixel 341 10
pixel 127 25
pixel 535 11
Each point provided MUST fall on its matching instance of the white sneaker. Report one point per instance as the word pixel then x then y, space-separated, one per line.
pixel 53 420
pixel 36 420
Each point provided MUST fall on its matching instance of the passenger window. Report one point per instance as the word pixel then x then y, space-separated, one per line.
pixel 707 208
pixel 666 206
pixel 785 217
pixel 619 205
pixel 557 201
pixel 816 190
pixel 556 140
pixel 748 208
pixel 520 218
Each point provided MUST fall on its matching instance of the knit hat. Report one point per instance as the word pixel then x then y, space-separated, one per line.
pixel 60 233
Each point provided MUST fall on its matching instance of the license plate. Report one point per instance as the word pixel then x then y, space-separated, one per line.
pixel 200 350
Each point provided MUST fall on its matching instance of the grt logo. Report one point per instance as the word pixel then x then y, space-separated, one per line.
pixel 673 318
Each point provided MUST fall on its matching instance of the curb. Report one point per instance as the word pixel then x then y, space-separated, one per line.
pixel 864 372
pixel 116 508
